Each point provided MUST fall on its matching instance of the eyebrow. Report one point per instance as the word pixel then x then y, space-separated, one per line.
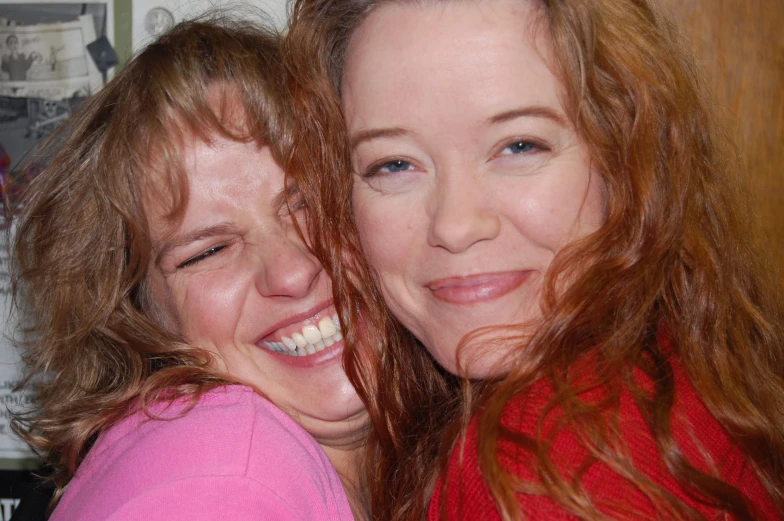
pixel 377 133
pixel 196 235
pixel 534 111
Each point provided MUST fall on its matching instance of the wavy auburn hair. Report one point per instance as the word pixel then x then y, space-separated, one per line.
pixel 93 342
pixel 676 248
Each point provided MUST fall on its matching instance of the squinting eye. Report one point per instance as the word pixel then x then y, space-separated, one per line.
pixel 200 257
pixel 519 147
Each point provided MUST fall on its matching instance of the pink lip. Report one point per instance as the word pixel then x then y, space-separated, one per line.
pixel 473 289
pixel 330 354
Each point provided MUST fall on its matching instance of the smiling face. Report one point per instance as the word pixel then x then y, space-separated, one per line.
pixel 234 278
pixel 469 176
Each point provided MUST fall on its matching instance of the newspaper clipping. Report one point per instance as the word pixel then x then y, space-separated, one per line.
pixel 48 61
pixel 10 400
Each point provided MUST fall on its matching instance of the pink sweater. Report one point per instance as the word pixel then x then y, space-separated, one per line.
pixel 234 456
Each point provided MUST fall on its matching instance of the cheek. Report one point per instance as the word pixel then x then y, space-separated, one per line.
pixel 539 215
pixel 382 231
pixel 596 204
pixel 389 235
pixel 210 306
pixel 558 210
pixel 159 303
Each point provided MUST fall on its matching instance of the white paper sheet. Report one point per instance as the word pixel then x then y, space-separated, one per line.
pixel 48 61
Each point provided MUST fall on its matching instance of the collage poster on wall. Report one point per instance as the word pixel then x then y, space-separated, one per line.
pixel 53 55
pixel 48 66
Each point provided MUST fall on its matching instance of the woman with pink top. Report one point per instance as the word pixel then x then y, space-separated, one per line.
pixel 183 344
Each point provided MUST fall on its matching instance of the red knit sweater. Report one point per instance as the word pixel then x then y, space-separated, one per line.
pixel 467 496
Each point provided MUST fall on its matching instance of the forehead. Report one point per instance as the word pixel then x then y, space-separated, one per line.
pixel 399 22
pixel 186 147
pixel 205 168
pixel 219 180
pixel 449 54
pixel 216 165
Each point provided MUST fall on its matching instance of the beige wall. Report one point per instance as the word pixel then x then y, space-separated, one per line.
pixel 272 10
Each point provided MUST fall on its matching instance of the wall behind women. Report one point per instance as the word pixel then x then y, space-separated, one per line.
pixel 129 17
pixel 740 46
pixel 151 16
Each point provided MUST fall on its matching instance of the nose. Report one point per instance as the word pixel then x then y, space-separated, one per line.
pixel 461 213
pixel 288 269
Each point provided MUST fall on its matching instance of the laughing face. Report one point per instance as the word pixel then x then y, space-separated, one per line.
pixel 233 277
pixel 469 176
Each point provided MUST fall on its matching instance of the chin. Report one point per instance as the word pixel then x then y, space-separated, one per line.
pixel 335 407
pixel 343 420
pixel 481 359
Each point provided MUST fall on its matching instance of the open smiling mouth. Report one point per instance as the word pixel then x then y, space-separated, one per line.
pixel 310 340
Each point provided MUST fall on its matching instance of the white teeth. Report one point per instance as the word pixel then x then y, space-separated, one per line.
pixel 312 339
pixel 311 334
pixel 326 327
pixel 299 340
pixel 289 343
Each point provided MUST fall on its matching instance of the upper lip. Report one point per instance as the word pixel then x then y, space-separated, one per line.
pixel 298 317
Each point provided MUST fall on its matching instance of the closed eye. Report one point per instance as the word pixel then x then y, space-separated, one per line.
pixel 296 203
pixel 290 201
pixel 200 257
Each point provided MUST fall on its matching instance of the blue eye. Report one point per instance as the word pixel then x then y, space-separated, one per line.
pixel 396 166
pixel 391 167
pixel 520 147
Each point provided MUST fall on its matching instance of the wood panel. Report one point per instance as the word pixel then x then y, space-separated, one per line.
pixel 739 44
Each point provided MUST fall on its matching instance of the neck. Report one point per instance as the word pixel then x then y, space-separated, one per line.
pixel 346 456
